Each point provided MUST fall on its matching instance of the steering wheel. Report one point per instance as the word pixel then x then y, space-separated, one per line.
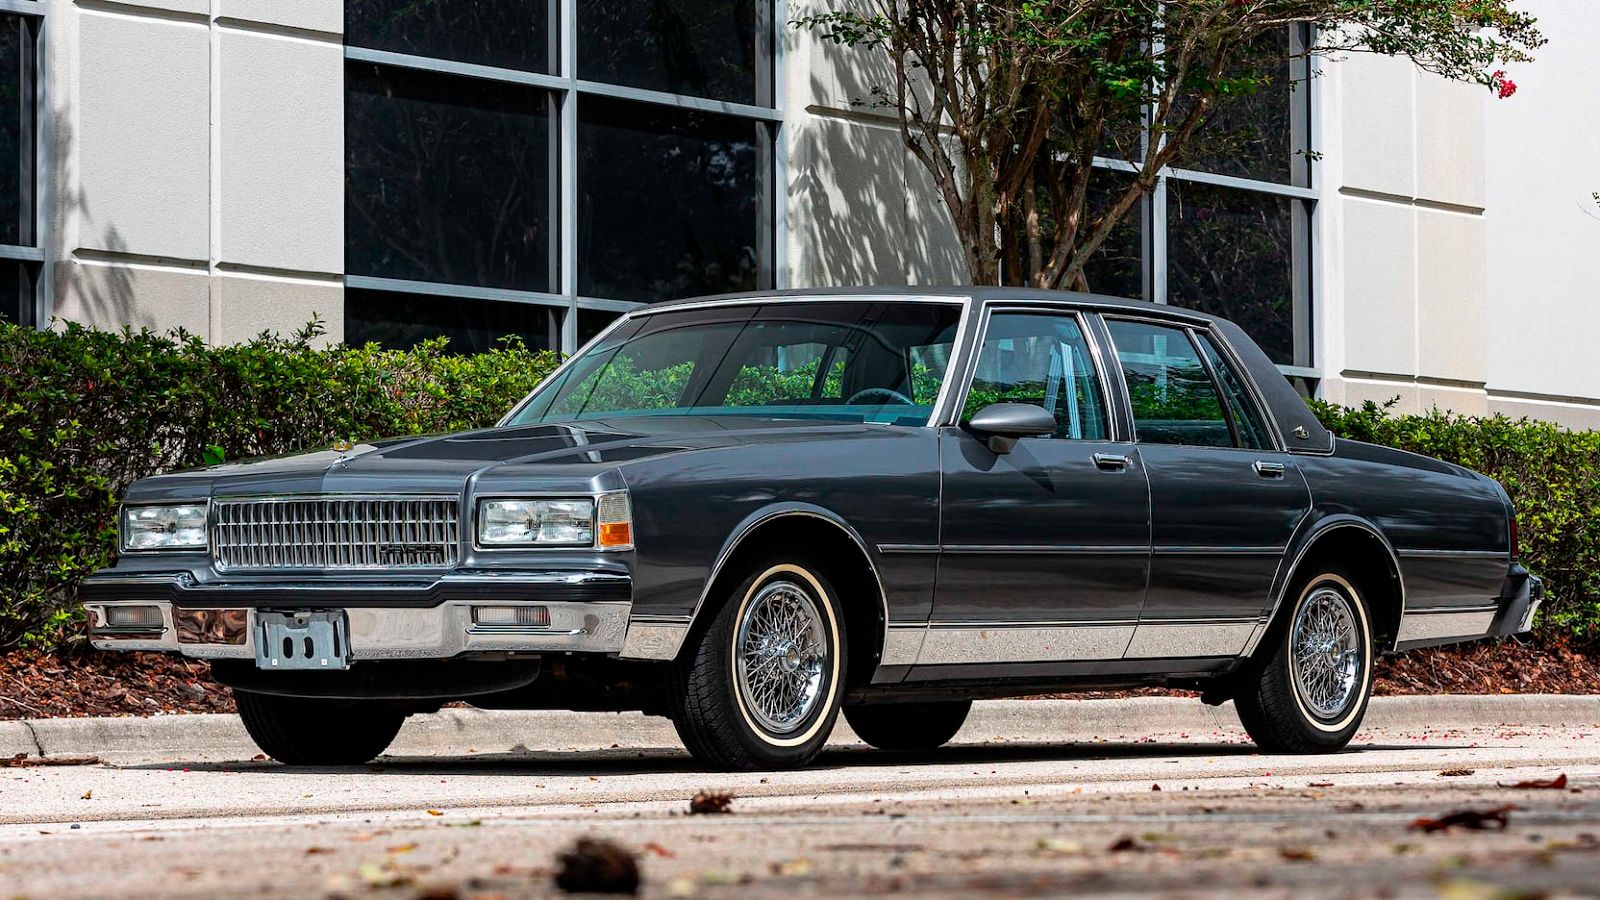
pixel 887 392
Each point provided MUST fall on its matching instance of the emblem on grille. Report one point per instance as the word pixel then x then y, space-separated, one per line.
pixel 412 554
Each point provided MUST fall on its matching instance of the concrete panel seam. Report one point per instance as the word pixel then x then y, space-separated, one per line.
pixel 95 257
pixel 272 29
pixel 134 11
pixel 245 270
pixel 1418 202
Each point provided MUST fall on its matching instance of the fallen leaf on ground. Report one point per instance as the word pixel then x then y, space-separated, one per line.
pixel 384 874
pixel 317 851
pixel 1473 819
pixel 1457 772
pixel 597 866
pixel 1123 845
pixel 1297 854
pixel 1549 784
pixel 23 760
pixel 400 848
pixel 88 795
pixel 711 803
pixel 1320 784
pixel 659 850
pixel 435 812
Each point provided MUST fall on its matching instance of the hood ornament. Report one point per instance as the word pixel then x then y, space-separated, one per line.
pixel 343 448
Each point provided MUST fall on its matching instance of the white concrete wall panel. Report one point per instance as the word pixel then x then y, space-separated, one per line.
pixel 1452 312
pixel 110 296
pixel 141 145
pixel 282 152
pixel 1450 141
pixel 1543 223
pixel 1377 125
pixel 1380 294
pixel 251 305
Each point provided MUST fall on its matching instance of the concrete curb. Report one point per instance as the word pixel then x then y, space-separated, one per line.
pixel 462 731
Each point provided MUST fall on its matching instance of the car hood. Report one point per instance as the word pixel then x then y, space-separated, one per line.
pixel 444 464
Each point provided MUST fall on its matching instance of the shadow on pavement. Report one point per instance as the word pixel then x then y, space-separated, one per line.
pixel 661 760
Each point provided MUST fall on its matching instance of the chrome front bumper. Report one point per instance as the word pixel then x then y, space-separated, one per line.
pixel 588 613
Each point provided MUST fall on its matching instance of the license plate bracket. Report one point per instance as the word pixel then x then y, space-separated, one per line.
pixel 302 640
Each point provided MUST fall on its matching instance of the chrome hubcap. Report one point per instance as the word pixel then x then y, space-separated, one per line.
pixel 781 655
pixel 1326 654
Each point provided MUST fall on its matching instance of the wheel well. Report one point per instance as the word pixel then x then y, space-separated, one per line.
pixel 1365 557
pixel 841 559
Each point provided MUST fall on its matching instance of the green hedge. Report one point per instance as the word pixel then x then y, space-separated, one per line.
pixel 84 413
pixel 1552 475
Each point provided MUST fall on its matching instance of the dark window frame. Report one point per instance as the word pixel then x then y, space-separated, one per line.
pixel 29 255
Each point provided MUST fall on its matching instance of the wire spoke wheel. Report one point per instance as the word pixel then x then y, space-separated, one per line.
pixel 781 656
pixel 1326 659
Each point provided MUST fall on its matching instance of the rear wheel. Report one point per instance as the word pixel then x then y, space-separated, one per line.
pixel 1310 694
pixel 760 688
pixel 302 731
pixel 908 726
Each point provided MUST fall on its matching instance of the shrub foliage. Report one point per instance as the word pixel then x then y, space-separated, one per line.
pixel 83 413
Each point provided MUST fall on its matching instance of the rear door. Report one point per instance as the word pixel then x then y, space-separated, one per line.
pixel 1225 500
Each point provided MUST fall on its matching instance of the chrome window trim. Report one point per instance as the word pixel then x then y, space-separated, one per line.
pixel 962 325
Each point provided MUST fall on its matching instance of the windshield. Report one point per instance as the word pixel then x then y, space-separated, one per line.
pixel 854 361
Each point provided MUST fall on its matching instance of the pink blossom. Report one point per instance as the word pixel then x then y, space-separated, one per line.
pixel 1503 87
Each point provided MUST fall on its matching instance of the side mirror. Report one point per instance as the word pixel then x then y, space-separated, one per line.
pixel 1006 423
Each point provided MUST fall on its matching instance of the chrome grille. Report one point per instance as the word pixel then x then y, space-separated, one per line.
pixel 336 533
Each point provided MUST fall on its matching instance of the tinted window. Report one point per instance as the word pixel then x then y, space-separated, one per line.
pixel 508 34
pixel 706 48
pixel 448 179
pixel 1241 407
pixel 399 321
pixel 1174 400
pixel 1231 253
pixel 1040 360
pixel 591 322
pixel 16 132
pixel 16 292
pixel 1252 134
pixel 850 361
pixel 671 202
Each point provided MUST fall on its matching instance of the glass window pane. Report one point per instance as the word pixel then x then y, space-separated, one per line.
pixel 509 34
pixel 448 179
pixel 16 293
pixel 1253 135
pixel 1241 406
pixel 851 361
pixel 593 321
pixel 1117 267
pixel 399 321
pixel 1044 361
pixel 1231 253
pixel 1174 399
pixel 705 48
pixel 16 131
pixel 671 202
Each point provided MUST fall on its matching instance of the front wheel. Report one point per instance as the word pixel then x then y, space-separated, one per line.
pixel 302 731
pixel 760 689
pixel 1310 694
pixel 908 726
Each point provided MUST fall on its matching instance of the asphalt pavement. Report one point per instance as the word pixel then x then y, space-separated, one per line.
pixel 1005 811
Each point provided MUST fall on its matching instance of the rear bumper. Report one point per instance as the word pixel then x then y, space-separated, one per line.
pixel 588 612
pixel 1512 613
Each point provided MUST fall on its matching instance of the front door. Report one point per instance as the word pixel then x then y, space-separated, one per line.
pixel 1043 550
pixel 1224 499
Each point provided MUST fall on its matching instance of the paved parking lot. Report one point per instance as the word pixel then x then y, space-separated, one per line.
pixel 985 816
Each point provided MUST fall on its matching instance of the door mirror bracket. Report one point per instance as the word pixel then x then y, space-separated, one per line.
pixel 1003 424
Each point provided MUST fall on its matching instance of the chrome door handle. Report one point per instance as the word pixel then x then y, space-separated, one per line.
pixel 1111 462
pixel 1268 469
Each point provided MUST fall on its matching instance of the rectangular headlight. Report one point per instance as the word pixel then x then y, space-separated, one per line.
pixel 536 523
pixel 164 527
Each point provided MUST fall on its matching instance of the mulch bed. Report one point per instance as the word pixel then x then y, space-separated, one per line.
pixel 82 682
